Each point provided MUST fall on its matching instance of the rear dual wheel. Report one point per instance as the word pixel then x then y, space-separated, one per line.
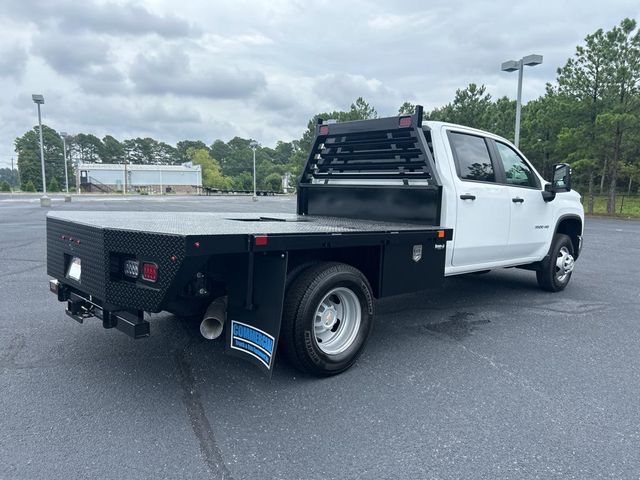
pixel 327 318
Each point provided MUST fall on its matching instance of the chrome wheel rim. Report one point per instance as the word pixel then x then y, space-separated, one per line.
pixel 337 321
pixel 564 264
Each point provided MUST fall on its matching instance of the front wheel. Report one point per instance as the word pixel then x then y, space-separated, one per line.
pixel 327 318
pixel 555 272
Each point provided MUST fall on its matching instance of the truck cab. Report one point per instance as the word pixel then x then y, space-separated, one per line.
pixel 502 211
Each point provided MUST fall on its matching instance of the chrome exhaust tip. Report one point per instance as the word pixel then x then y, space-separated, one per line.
pixel 213 321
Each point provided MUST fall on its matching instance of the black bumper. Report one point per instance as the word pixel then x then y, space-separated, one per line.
pixel 81 306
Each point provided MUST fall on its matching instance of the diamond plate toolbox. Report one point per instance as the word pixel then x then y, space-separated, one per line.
pixel 97 247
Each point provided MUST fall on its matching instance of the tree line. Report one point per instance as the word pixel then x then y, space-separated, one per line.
pixel 589 117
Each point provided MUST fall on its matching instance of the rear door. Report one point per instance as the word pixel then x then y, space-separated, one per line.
pixel 483 212
pixel 530 230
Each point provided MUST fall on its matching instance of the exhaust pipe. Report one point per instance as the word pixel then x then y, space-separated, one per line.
pixel 214 318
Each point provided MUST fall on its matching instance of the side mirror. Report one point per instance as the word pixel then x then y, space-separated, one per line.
pixel 561 182
pixel 548 194
pixel 561 177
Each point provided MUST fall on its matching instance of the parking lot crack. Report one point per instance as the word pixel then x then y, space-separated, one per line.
pixel 198 418
pixel 507 373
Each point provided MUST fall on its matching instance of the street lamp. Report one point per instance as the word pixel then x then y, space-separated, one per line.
pixel 253 146
pixel 512 66
pixel 44 200
pixel 64 153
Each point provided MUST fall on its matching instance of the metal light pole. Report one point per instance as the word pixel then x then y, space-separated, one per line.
pixel 512 66
pixel 78 191
pixel 64 153
pixel 126 177
pixel 44 200
pixel 253 146
pixel 64 135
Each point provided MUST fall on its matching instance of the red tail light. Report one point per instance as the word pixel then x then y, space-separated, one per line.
pixel 150 272
pixel 324 129
pixel 404 122
pixel 261 240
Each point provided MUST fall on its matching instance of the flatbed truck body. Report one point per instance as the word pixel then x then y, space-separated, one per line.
pixel 388 232
pixel 384 206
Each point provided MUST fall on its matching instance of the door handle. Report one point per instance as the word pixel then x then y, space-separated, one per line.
pixel 517 200
pixel 467 196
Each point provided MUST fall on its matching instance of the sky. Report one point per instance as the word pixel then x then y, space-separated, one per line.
pixel 209 69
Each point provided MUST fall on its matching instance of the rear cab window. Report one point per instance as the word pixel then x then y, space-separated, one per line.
pixel 472 158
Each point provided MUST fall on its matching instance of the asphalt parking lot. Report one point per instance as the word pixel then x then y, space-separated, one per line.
pixel 487 378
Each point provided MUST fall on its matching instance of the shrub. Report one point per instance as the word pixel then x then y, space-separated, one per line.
pixel 4 186
pixel 29 187
pixel 273 181
pixel 53 185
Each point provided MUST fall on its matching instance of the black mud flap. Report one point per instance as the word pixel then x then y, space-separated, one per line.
pixel 254 311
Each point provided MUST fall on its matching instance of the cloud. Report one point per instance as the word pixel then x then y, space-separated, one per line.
pixel 124 118
pixel 240 41
pixel 125 18
pixel 109 17
pixel 209 70
pixel 104 80
pixel 389 21
pixel 170 72
pixel 341 89
pixel 68 54
pixel 13 60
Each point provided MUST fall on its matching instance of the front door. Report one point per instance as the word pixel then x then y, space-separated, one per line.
pixel 483 213
pixel 531 216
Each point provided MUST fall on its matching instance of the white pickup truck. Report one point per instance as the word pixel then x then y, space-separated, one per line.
pixel 385 206
pixel 503 213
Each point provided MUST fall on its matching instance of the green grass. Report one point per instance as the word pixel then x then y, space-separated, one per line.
pixel 625 206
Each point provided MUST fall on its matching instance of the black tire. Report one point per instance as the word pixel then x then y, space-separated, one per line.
pixel 547 276
pixel 296 271
pixel 297 338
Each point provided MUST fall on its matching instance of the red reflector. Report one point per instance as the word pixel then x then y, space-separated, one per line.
pixel 405 121
pixel 261 241
pixel 150 271
pixel 324 129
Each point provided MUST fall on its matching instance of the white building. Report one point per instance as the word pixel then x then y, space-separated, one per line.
pixel 96 177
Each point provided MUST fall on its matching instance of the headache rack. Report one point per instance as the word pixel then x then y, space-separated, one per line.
pixel 392 152
pixel 384 148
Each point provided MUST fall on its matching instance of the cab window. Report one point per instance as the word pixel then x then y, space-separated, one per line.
pixel 472 157
pixel 517 172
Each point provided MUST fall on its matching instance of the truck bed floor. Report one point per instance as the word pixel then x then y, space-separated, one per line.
pixel 203 223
